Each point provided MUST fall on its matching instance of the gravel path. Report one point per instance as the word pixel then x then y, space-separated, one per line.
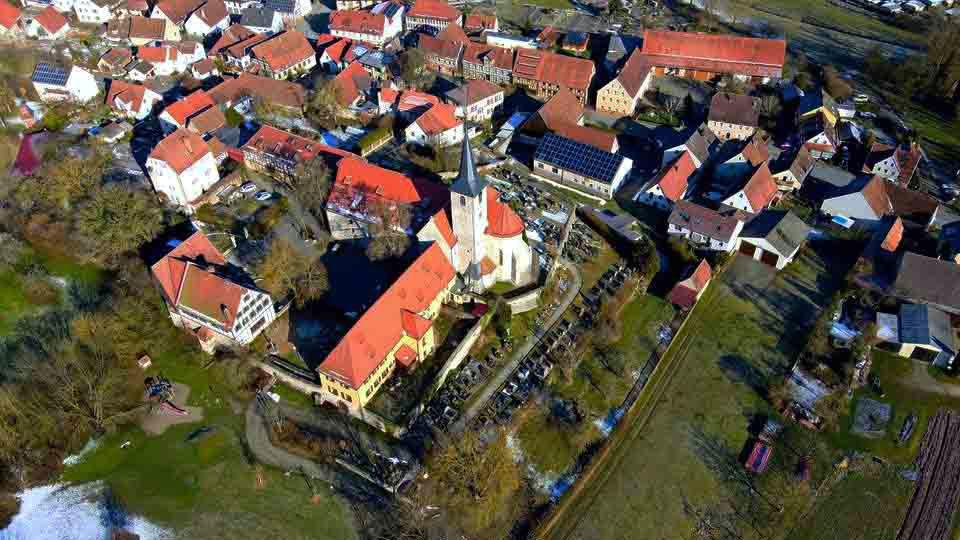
pixel 258 439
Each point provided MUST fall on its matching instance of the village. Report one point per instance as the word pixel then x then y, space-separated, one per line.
pixel 409 269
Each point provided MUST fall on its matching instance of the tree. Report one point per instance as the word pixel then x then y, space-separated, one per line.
pixel 769 105
pixel 389 224
pixel 311 184
pixel 413 69
pixel 943 59
pixel 285 270
pixel 670 103
pixel 117 220
pixel 72 178
pixel 836 86
pixel 479 480
pixel 323 108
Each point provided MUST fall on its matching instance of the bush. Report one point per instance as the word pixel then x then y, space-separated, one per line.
pixel 234 118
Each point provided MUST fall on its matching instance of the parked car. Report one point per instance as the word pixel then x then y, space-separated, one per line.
pixel 249 187
pixel 861 98
pixel 866 114
pixel 264 196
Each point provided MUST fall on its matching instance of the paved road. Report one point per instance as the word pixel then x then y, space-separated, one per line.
pixel 520 353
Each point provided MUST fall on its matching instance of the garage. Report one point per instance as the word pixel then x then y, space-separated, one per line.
pixel 748 249
pixel 768 257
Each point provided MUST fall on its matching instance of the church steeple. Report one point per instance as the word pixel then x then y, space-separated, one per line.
pixel 468 182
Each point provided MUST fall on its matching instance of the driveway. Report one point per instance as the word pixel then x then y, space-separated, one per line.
pixel 520 353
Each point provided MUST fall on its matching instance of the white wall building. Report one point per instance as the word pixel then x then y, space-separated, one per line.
pixel 56 83
pixel 182 167
pixel 94 11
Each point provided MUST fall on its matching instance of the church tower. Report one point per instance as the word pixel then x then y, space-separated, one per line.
pixel 468 211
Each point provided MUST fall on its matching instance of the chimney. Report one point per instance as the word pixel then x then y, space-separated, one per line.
pixel 225 310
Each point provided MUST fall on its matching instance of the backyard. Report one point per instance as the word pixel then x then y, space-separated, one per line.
pixel 196 479
pixel 711 383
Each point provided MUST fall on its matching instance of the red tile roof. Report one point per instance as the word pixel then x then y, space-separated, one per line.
pixel 487 266
pixel 761 188
pixel 634 72
pixel 440 47
pixel 356 176
pixel 411 100
pixel 597 138
pixel 756 151
pixel 131 94
pixel 273 141
pixel 204 67
pixel 481 53
pixel 178 10
pixel 350 82
pixel 180 150
pixel 51 20
pixel 674 178
pixel 212 12
pixel 438 119
pixel 367 344
pixel 549 36
pixel 354 20
pixel 181 110
pixel 338 50
pixel 685 293
pixel 276 92
pixel 454 33
pixel 414 325
pixel 716 53
pixel 909 158
pixel 480 21
pixel 442 221
pixel 554 68
pixel 283 50
pixel 406 356
pixel 207 121
pixel 156 55
pixel 891 241
pixel 231 36
pixel 9 15
pixel 434 9
pixel 502 221
pixel 146 28
pixel 117 57
pixel 875 194
pixel 206 291
pixel 734 109
pixel 562 108
pixel 170 269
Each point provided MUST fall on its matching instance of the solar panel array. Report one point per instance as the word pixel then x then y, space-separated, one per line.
pixel 578 158
pixel 46 74
pixel 280 6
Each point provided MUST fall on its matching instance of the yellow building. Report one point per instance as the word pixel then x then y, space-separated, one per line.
pixel 397 330
pixel 620 96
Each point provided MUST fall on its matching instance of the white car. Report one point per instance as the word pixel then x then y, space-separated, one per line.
pixel 861 98
pixel 249 187
pixel 263 196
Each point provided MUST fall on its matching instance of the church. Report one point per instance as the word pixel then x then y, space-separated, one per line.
pixel 481 236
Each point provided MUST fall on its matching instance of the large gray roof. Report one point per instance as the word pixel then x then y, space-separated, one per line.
pixel 783 230
pixel 926 325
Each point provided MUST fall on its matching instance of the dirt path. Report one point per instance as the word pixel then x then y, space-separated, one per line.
pixel 920 379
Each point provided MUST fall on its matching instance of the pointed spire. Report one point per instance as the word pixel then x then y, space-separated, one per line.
pixel 468 182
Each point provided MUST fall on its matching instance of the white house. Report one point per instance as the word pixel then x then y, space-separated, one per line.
pixel 211 17
pixel 758 193
pixel 701 145
pixel 289 9
pixel 670 185
pixel 204 297
pixel 261 20
pixel 237 7
pixel 165 59
pixel 439 126
pixel 48 24
pixel 484 97
pixel 131 100
pixel 182 168
pixel 773 238
pixel 705 228
pixel 377 26
pixel 58 83
pixel 94 11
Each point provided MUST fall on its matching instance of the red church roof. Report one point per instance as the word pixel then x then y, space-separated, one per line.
pixel 367 344
pixel 502 221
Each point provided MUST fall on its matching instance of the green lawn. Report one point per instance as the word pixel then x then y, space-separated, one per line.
pixel 13 300
pixel 868 502
pixel 203 486
pixel 738 333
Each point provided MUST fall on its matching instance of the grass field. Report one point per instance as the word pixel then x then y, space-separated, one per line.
pixel 201 485
pixel 738 332
pixel 13 299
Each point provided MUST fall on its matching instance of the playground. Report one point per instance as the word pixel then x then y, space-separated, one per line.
pixel 168 405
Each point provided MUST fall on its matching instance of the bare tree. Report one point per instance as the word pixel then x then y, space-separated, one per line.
pixel 285 270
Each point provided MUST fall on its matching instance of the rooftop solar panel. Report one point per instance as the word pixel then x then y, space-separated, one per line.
pixel 579 158
pixel 46 74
